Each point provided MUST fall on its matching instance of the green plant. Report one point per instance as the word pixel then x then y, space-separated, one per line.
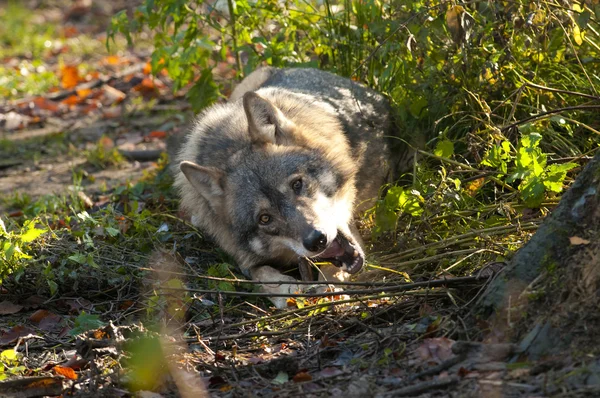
pixel 9 364
pixel 530 168
pixel 104 154
pixel 16 244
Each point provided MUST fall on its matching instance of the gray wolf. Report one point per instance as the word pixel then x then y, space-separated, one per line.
pixel 277 173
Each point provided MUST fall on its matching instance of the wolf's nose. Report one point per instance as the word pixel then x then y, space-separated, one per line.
pixel 316 241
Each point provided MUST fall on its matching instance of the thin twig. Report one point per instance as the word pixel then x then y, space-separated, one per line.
pixel 391 290
pixel 551 112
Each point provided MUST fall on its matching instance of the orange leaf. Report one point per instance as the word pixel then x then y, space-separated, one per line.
pixel 69 76
pixel 84 92
pixel 474 186
pixel 100 334
pixel 92 75
pixel 37 316
pixel 158 134
pixel 147 68
pixel 89 108
pixel 71 100
pixel 112 60
pixel 45 104
pixel 70 31
pixel 146 86
pixel 67 372
pixel 302 376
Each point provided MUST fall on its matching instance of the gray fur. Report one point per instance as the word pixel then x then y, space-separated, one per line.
pixel 294 152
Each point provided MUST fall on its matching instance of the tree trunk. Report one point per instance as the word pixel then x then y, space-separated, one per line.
pixel 547 298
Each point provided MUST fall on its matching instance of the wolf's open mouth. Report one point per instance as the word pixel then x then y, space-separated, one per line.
pixel 344 254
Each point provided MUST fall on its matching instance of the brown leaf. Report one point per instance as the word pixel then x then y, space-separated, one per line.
pixel 71 100
pixel 112 112
pixel 69 76
pixel 51 323
pixel 112 95
pixel 45 104
pixel 146 86
pixel 435 350
pixel 70 31
pixel 576 241
pixel 302 376
pixel 76 363
pixel 7 307
pixel 13 334
pixel 158 135
pixel 37 316
pixel 67 372
pixel 330 372
pixel 75 306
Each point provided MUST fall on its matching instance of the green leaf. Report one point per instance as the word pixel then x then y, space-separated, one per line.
pixel 583 19
pixel 85 322
pixel 281 378
pixel 444 148
pixel 532 192
pixel 53 287
pixel 79 258
pixel 9 355
pixel 555 176
pixel 204 92
pixel 497 156
pixel 112 231
pixel 31 233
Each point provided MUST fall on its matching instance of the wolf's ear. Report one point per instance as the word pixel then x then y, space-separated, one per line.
pixel 266 123
pixel 208 181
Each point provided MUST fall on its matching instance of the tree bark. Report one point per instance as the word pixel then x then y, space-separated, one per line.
pixel 552 283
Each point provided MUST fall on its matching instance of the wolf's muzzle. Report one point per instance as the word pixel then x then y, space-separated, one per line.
pixel 316 241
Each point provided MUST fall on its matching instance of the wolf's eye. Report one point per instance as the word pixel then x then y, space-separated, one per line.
pixel 297 185
pixel 264 219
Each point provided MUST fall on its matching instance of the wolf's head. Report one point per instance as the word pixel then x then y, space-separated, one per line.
pixel 288 191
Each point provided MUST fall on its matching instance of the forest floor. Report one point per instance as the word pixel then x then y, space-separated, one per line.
pixel 123 297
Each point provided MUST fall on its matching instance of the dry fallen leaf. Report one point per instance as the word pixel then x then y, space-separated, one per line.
pixel 37 316
pixel 70 31
pixel 67 372
pixel 302 376
pixel 112 60
pixel 69 76
pixel 51 323
pixel 435 350
pixel 84 92
pixel 45 104
pixel 158 134
pixel 71 100
pixel 7 307
pixel 576 241
pixel 13 334
pixel 112 95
